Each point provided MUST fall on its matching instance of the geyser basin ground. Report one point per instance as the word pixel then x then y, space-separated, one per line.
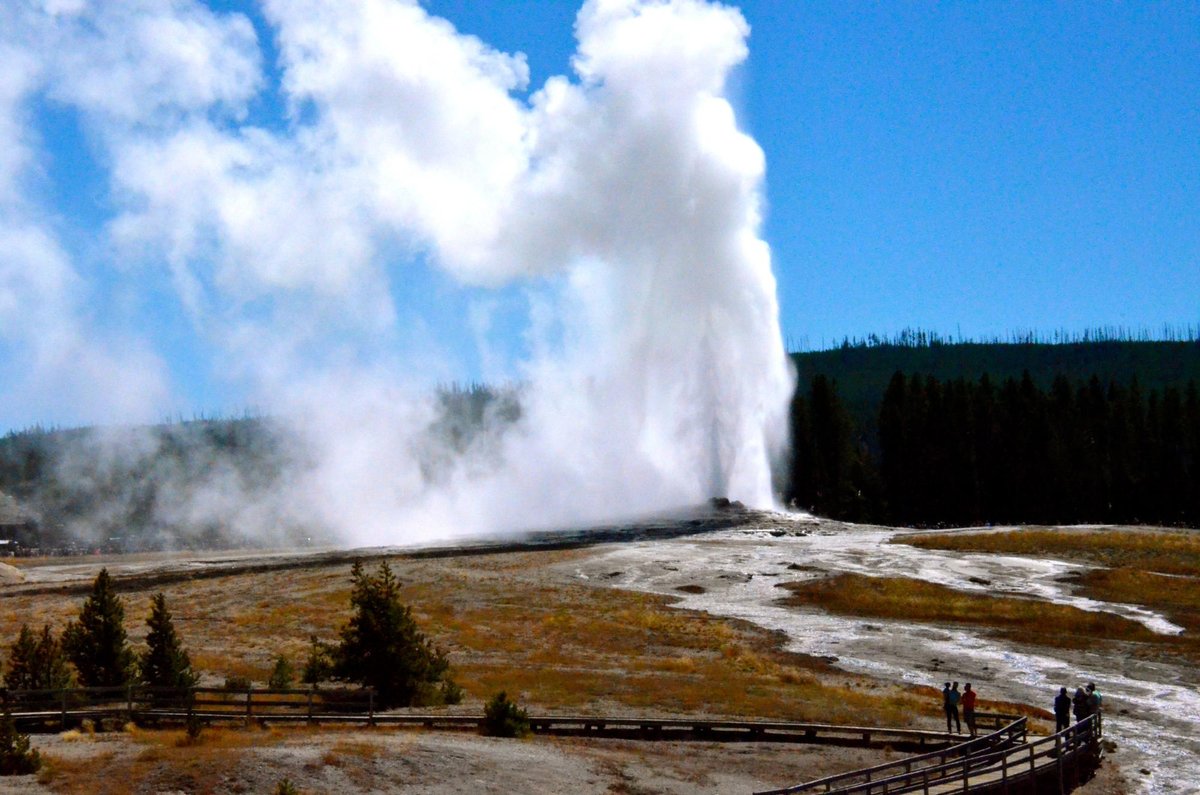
pixel 1152 704
pixel 560 628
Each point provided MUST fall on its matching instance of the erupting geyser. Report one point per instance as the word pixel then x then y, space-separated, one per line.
pixel 625 199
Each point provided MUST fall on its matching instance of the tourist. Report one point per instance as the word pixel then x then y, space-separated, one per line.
pixel 968 704
pixel 950 699
pixel 1094 699
pixel 1079 704
pixel 1062 710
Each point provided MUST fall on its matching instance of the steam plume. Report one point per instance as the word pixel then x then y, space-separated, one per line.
pixel 624 199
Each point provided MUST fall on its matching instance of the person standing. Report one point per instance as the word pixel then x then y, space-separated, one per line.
pixel 968 705
pixel 1062 710
pixel 1094 699
pixel 946 707
pixel 1079 704
pixel 953 697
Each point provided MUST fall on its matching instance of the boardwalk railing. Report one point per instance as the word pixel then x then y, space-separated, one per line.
pixel 136 702
pixel 1063 761
pixel 1012 734
pixel 57 709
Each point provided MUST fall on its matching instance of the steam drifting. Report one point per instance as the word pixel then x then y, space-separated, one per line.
pixel 624 199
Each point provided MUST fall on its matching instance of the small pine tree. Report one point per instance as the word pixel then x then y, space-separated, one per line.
pixel 164 663
pixel 283 676
pixel 37 662
pixel 21 656
pixel 317 666
pixel 16 757
pixel 503 718
pixel 97 644
pixel 381 646
pixel 54 672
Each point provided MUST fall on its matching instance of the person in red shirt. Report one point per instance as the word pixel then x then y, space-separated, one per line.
pixel 968 704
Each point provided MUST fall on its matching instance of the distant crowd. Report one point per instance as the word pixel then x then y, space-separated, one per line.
pixel 1084 703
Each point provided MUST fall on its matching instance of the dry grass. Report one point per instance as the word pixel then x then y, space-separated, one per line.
pixel 159 761
pixel 1027 620
pixel 1166 552
pixel 506 626
pixel 1159 570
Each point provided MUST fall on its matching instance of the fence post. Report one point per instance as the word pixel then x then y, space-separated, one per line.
pixel 249 702
pixel 371 706
pixel 129 700
pixel 1058 758
pixel 62 695
pixel 310 703
pixel 191 705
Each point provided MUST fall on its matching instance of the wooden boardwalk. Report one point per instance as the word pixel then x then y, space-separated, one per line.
pixel 1006 760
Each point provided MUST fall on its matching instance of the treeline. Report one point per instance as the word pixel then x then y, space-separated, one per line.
pixel 864 368
pixel 962 452
pixel 169 486
pixel 927 338
pixel 134 488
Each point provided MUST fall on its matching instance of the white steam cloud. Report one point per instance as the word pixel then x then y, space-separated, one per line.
pixel 625 198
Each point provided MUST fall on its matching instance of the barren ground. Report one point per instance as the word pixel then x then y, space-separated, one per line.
pixel 557 628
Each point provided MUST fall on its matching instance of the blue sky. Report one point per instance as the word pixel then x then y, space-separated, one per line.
pixel 970 168
pixel 982 167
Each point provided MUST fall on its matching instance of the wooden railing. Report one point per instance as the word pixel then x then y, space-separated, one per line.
pixel 1007 736
pixel 1066 759
pixel 59 708
pixel 136 702
pixel 1000 758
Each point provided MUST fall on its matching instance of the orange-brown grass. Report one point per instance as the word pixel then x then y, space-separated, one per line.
pixel 158 761
pixel 511 622
pixel 1159 570
pixel 1177 597
pixel 342 750
pixel 914 600
pixel 1166 552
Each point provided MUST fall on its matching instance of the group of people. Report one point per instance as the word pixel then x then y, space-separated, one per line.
pixel 951 698
pixel 1085 702
pixel 1081 705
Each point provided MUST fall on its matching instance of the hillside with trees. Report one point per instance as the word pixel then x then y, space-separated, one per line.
pixel 1105 431
pixel 864 367
pixel 911 430
pixel 163 486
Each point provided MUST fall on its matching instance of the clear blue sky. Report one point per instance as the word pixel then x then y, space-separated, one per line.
pixel 968 168
pixel 982 167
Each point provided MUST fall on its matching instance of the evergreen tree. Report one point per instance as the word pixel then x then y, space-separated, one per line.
pixel 381 646
pixel 283 676
pixel 96 644
pixel 37 662
pixel 16 757
pixel 318 666
pixel 21 655
pixel 164 663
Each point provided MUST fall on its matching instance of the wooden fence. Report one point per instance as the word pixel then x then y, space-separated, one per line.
pixel 140 703
pixel 1005 737
pixel 57 709
pixel 1004 760
pixel 1005 764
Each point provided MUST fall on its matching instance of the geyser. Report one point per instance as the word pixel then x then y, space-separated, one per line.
pixel 624 201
